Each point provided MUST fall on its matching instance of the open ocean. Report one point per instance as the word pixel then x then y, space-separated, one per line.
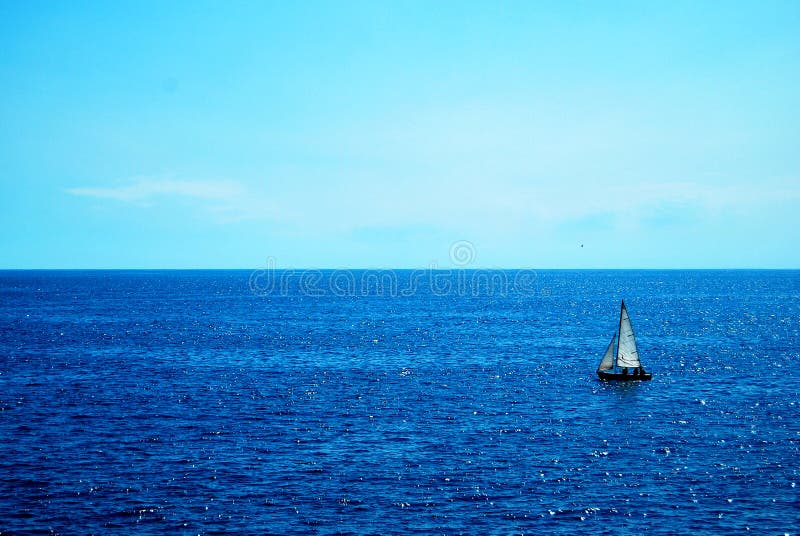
pixel 397 402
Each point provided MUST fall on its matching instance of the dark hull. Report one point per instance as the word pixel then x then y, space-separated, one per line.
pixel 618 376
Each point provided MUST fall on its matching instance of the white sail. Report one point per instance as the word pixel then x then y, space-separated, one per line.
pixel 608 358
pixel 627 355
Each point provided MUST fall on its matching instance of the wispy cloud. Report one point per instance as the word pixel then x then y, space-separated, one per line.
pixel 146 189
pixel 224 201
pixel 369 209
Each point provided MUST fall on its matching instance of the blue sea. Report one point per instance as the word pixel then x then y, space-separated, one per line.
pixel 397 402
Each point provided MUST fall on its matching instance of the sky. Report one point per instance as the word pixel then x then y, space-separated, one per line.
pixel 377 134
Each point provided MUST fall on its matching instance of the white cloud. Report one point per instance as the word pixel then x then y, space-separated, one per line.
pixel 145 189
pixel 475 204
pixel 225 201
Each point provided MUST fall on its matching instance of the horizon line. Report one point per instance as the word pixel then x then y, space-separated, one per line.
pixel 377 269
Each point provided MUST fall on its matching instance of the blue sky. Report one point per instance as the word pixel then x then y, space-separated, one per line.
pixel 377 134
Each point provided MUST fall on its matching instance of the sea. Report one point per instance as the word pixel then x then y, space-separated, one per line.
pixel 397 402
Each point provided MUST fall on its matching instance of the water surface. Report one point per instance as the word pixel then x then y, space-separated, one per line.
pixel 204 402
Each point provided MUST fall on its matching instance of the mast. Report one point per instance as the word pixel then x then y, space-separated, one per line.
pixel 619 333
pixel 616 351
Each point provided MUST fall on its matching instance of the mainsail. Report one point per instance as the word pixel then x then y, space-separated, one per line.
pixel 608 358
pixel 627 355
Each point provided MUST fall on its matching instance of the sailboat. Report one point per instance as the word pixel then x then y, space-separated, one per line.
pixel 627 356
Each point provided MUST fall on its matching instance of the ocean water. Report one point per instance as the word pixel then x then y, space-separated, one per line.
pixel 397 402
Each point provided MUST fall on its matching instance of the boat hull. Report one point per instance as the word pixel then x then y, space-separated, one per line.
pixel 618 376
